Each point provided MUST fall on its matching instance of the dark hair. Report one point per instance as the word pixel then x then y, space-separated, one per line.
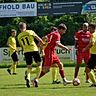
pixel 21 24
pixel 13 30
pixel 62 26
pixel 92 25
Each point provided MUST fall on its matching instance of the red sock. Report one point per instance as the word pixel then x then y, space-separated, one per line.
pixel 62 73
pixel 42 74
pixel 87 77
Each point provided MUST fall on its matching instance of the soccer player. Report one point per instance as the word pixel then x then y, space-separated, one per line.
pixel 13 53
pixel 82 39
pixel 50 56
pixel 26 41
pixel 92 61
pixel 54 66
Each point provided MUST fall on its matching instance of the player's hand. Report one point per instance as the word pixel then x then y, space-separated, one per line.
pixel 68 49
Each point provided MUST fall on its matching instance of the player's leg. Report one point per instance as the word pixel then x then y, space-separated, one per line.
pixel 62 73
pixel 54 69
pixel 28 59
pixel 48 61
pixel 77 66
pixel 13 66
pixel 90 65
pixel 61 69
pixel 37 59
pixel 35 69
pixel 15 59
pixel 91 76
pixel 9 69
pixel 86 58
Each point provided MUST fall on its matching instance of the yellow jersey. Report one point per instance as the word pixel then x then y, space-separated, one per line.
pixel 26 41
pixel 93 48
pixel 12 44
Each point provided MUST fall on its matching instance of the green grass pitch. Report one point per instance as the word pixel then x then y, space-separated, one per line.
pixel 14 85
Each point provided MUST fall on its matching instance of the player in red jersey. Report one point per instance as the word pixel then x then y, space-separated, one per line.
pixel 50 56
pixel 82 39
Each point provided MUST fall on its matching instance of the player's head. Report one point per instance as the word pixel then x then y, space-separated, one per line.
pixel 13 32
pixel 92 27
pixel 53 29
pixel 62 28
pixel 85 27
pixel 22 26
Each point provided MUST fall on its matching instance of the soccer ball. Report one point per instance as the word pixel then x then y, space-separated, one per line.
pixel 76 82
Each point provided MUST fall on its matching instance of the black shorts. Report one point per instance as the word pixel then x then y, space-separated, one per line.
pixel 29 56
pixel 92 61
pixel 15 57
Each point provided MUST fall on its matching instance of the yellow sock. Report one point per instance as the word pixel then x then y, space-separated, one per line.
pixel 54 73
pixel 38 72
pixel 14 68
pixel 11 67
pixel 28 73
pixel 92 77
pixel 34 70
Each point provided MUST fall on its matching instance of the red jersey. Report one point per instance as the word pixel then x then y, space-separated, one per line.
pixel 82 39
pixel 53 38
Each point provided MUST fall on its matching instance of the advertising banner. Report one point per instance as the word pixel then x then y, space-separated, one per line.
pixel 18 9
pixel 63 54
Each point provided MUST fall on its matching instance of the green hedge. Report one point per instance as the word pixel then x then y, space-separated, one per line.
pixel 66 64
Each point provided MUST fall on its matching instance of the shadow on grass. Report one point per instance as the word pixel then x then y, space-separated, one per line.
pixel 13 86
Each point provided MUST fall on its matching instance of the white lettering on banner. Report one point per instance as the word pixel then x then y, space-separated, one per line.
pixel 63 54
pixel 18 9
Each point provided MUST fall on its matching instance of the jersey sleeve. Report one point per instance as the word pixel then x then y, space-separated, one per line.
pixel 18 38
pixel 33 33
pixel 57 36
pixel 9 40
pixel 76 39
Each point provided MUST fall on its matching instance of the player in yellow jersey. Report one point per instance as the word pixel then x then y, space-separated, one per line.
pixel 12 50
pixel 30 49
pixel 92 61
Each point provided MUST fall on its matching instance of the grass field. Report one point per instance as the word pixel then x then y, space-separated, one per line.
pixel 14 85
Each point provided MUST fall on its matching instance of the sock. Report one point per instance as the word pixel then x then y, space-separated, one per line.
pixel 38 71
pixel 92 77
pixel 34 71
pixel 62 73
pixel 87 76
pixel 14 68
pixel 54 73
pixel 42 74
pixel 11 67
pixel 28 73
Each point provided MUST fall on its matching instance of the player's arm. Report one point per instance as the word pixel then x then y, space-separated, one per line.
pixel 39 39
pixel 76 42
pixel 62 46
pixel 8 43
pixel 88 46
